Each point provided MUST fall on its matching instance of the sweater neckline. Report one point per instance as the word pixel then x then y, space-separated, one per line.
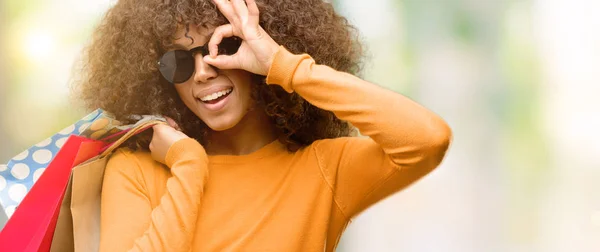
pixel 268 150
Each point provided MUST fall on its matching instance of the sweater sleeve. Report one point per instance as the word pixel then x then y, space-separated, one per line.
pixel 128 220
pixel 405 141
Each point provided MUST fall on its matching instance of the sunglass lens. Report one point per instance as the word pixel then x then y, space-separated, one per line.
pixel 176 66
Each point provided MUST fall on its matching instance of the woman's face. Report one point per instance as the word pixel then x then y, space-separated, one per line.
pixel 220 98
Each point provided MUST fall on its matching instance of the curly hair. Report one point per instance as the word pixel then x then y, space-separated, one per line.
pixel 118 70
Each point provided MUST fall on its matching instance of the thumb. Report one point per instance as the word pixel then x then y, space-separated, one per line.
pixel 222 61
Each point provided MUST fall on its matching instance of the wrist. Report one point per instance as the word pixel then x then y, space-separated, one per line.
pixel 184 149
pixel 272 49
pixel 269 61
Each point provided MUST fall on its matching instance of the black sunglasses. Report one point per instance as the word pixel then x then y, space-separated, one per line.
pixel 177 66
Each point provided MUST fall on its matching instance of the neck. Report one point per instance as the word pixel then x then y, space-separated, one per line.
pixel 253 132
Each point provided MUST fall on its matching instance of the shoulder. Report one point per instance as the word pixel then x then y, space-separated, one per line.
pixel 138 164
pixel 330 152
pixel 129 158
pixel 334 153
pixel 137 172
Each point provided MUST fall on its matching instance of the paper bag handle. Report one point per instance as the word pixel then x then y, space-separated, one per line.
pixel 134 131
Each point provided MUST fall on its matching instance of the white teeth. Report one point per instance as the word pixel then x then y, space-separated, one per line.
pixel 216 95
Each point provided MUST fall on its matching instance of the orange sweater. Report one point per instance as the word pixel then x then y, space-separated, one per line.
pixel 273 200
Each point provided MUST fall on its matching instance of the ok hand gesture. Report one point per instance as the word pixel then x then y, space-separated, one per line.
pixel 257 49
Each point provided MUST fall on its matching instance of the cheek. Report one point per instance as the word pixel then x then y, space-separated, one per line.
pixel 184 94
pixel 242 82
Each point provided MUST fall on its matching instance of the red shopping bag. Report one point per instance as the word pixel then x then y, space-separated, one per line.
pixel 32 225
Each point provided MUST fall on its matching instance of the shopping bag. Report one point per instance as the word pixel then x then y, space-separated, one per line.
pixel 32 225
pixel 22 171
pixel 78 224
pixel 3 217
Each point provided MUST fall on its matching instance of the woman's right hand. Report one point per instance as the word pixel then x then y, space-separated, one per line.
pixel 163 138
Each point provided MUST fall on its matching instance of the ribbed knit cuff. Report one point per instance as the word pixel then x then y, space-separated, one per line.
pixel 186 148
pixel 283 68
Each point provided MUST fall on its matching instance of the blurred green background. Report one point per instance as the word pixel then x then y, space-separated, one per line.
pixel 517 81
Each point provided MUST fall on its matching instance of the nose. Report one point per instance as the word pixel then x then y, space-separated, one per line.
pixel 204 72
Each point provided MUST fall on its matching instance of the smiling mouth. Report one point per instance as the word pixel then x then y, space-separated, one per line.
pixel 216 97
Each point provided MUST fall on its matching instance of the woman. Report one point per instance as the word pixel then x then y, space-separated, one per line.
pixel 259 154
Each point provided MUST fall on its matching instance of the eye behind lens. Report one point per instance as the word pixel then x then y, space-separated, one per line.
pixel 176 66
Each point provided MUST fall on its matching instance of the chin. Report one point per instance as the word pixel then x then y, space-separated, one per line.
pixel 220 127
pixel 223 123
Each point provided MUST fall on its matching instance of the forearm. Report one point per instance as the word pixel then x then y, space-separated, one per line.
pixel 131 223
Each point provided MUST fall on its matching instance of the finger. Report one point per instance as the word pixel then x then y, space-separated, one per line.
pixel 220 32
pixel 225 7
pixel 239 6
pixel 159 127
pixel 156 127
pixel 172 123
pixel 252 7
pixel 223 61
pixel 155 130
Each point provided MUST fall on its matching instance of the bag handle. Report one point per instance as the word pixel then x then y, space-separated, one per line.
pixel 134 131
pixel 142 119
pixel 107 138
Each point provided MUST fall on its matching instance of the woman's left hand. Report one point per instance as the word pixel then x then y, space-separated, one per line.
pixel 258 48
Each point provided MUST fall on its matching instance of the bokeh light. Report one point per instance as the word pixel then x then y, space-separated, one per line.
pixel 39 45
